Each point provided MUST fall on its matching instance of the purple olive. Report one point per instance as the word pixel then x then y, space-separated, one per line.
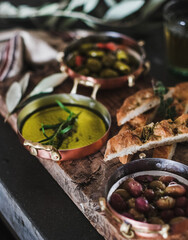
pixel 144 178
pixel 134 187
pixel 167 215
pixel 181 202
pixel 179 212
pixel 174 189
pixel 141 204
pixel 117 202
pixel 149 194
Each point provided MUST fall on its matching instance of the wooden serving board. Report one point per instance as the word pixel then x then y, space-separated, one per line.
pixel 84 180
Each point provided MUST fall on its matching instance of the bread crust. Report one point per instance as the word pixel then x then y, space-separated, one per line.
pixel 139 103
pixel 144 138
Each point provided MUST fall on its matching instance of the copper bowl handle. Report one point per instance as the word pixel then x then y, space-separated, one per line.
pixel 34 147
pixel 124 228
pixel 95 86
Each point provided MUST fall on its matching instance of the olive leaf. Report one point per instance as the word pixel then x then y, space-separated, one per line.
pixel 24 82
pixel 90 5
pixel 76 3
pixel 48 83
pixel 123 9
pixel 15 92
pixel 13 96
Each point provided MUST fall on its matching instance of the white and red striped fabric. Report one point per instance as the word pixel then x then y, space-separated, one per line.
pixel 18 47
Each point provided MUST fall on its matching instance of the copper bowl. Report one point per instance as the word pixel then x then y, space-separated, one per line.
pixel 130 228
pixel 106 83
pixel 48 151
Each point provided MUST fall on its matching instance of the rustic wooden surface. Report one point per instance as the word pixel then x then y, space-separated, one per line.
pixel 84 180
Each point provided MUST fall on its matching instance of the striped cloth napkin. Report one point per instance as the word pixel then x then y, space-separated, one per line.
pixel 18 47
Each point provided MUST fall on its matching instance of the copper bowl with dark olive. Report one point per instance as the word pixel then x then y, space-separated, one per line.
pixel 149 197
pixel 108 59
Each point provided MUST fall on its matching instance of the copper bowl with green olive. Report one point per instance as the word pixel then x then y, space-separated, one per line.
pixel 108 59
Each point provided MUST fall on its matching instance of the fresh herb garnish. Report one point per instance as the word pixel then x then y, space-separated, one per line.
pixel 165 110
pixel 61 130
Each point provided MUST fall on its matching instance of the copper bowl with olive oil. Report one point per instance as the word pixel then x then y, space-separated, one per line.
pixel 109 59
pixel 72 129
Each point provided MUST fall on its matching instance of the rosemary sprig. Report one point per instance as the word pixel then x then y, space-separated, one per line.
pixel 165 110
pixel 61 129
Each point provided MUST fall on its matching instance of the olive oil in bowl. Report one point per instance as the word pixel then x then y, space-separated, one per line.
pixel 90 126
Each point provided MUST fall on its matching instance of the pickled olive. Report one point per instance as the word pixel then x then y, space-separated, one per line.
pixel 122 67
pixel 123 193
pixel 174 189
pixel 86 46
pixel 156 220
pixel 177 220
pixel 165 202
pixel 179 212
pixel 144 178
pixel 108 60
pixel 149 194
pixel 167 215
pixel 152 211
pixel 131 203
pixel 71 61
pixel 84 71
pixel 95 53
pixel 108 73
pixel 134 187
pixel 142 204
pixel 156 184
pixel 93 64
pixel 117 202
pixel 144 198
pixel 128 215
pixel 166 179
pixel 159 193
pixel 181 202
pixel 122 55
pixel 136 214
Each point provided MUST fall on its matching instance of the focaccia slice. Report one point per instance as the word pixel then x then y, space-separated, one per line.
pixel 139 103
pixel 180 96
pixel 144 138
pixel 134 123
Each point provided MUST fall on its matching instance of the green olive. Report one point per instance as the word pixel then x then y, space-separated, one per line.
pixel 84 71
pixel 95 53
pixel 122 55
pixel 86 46
pixel 122 67
pixel 156 220
pixel 108 73
pixel 125 195
pixel 71 61
pixel 93 64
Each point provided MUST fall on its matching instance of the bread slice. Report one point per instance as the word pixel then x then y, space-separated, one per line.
pixel 139 103
pixel 144 138
pixel 180 96
pixel 134 123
